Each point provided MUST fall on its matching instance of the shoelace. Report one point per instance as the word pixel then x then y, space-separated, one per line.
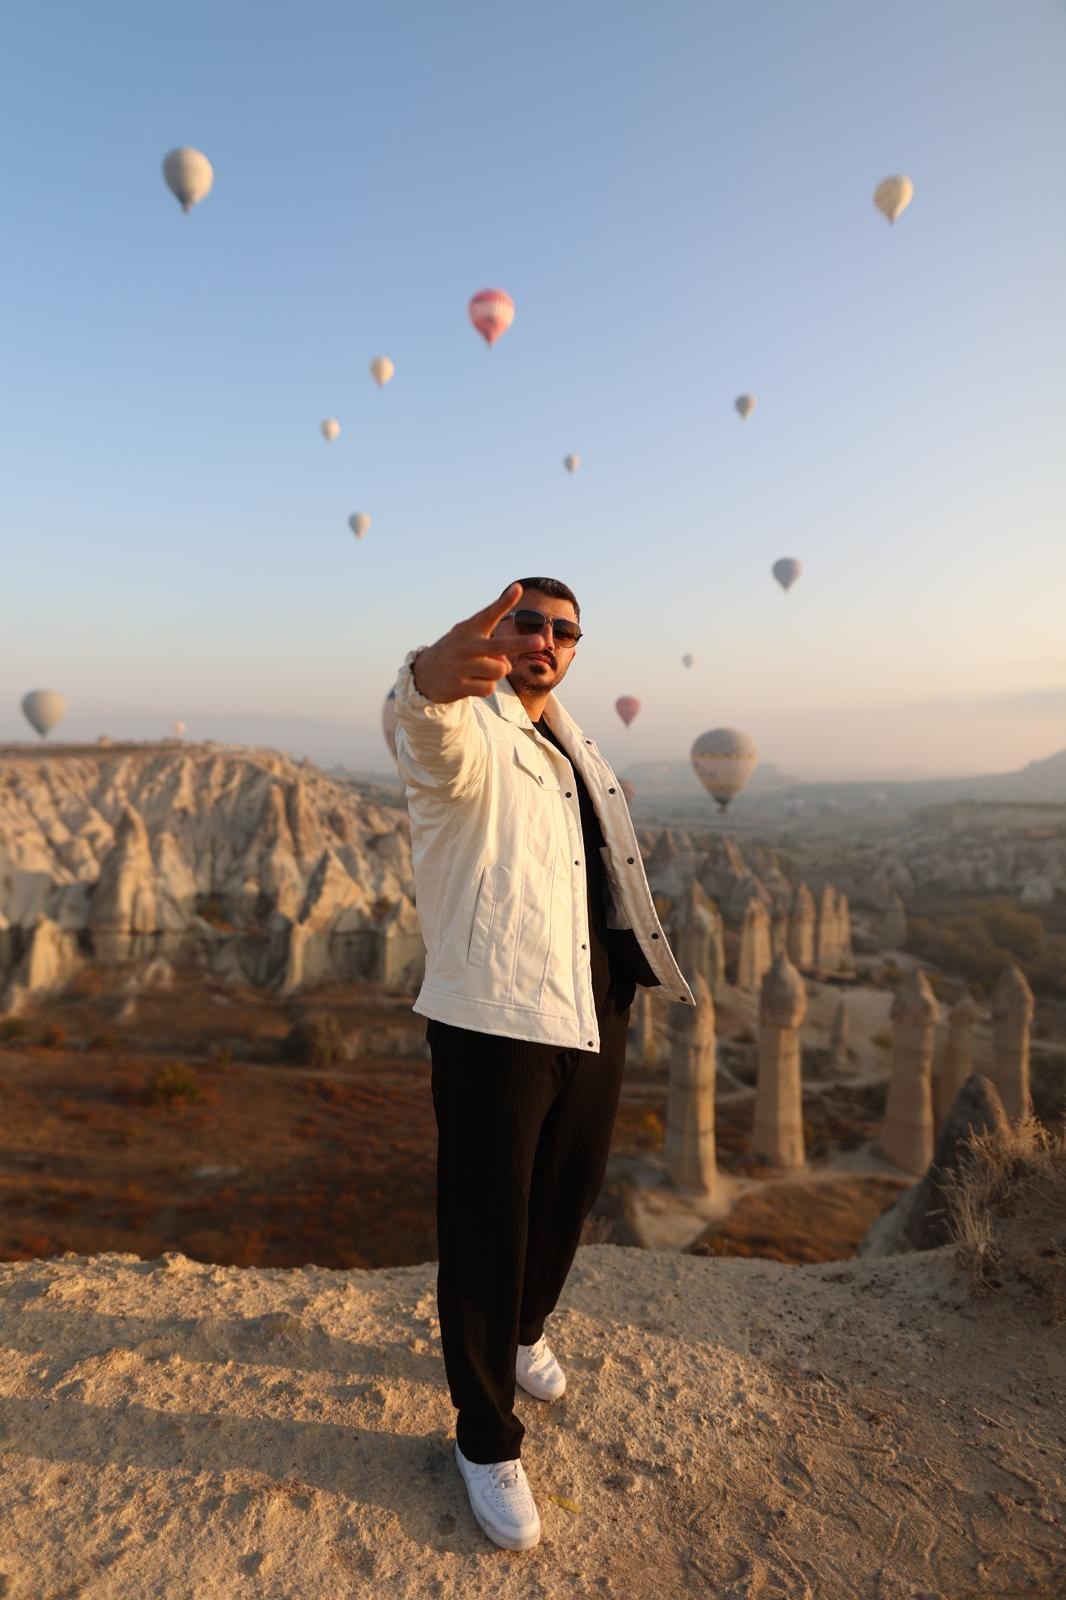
pixel 504 1474
pixel 537 1352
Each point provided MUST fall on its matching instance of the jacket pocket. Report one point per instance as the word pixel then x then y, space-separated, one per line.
pixel 493 883
pixel 615 908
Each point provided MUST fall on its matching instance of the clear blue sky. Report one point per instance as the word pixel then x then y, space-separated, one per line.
pixel 678 197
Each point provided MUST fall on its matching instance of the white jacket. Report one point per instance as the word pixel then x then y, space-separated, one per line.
pixel 498 861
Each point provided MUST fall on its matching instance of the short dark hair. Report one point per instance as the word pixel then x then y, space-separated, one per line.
pixel 554 588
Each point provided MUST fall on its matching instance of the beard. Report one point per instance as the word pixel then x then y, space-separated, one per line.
pixel 539 674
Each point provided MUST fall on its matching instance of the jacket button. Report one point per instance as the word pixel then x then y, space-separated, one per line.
pixel 569 795
pixel 655 935
pixel 590 1044
pixel 577 863
pixel 630 860
pixel 610 791
pixel 584 947
pixel 682 997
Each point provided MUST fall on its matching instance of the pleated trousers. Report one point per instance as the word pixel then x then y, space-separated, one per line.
pixel 523 1134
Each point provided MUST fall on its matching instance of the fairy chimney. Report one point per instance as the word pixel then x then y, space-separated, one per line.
pixel 826 939
pixel 907 1134
pixel 838 1038
pixel 956 1060
pixel 778 1132
pixel 755 954
pixel 690 1154
pixel 801 929
pixel 894 924
pixel 1012 1016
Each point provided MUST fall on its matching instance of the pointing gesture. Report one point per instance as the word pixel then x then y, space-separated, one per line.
pixel 472 657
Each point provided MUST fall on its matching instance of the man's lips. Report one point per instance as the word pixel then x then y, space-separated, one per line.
pixel 541 655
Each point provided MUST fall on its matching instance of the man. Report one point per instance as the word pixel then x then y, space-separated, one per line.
pixel 538 923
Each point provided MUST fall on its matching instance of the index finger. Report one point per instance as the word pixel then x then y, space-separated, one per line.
pixel 484 621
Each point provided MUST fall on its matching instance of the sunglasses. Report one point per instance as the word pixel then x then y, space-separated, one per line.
pixel 563 630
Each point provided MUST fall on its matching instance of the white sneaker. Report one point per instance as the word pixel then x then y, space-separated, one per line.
pixel 538 1371
pixel 502 1501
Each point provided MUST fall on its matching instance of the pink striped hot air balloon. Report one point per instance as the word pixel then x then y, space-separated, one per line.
pixel 627 707
pixel 491 312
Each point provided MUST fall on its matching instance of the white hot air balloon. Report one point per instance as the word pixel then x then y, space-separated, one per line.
pixel 389 719
pixel 893 195
pixel 381 370
pixel 745 404
pixel 359 522
pixel 43 710
pixel 724 759
pixel 179 730
pixel 189 175
pixel 330 429
pixel 571 463
pixel 786 571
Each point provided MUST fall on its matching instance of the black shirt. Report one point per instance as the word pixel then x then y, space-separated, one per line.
pixel 617 961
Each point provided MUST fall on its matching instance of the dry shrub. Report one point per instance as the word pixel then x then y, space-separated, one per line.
pixel 313 1042
pixel 173 1084
pixel 12 1028
pixel 1007 1211
pixel 107 1040
pixel 54 1036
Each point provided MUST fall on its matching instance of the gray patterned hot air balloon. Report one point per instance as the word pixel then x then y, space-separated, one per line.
pixel 43 710
pixel 893 195
pixel 786 571
pixel 359 522
pixel 686 660
pixel 745 404
pixel 189 175
pixel 724 759
pixel 330 429
pixel 389 720
pixel 571 463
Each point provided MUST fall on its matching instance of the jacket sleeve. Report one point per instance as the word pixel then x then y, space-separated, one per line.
pixel 440 749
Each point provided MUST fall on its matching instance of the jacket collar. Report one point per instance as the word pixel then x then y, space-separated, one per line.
pixel 506 703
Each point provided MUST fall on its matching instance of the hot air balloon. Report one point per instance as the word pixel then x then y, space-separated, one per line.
pixel 686 660
pixel 381 370
pixel 330 429
pixel 491 312
pixel 571 463
pixel 786 571
pixel 189 175
pixel 893 196
pixel 389 720
pixel 745 404
pixel 179 729
pixel 359 522
pixel 628 790
pixel 724 759
pixel 627 707
pixel 43 710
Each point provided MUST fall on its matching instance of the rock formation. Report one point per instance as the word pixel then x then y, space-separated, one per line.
pixel 956 1059
pixel 641 1043
pixel 1012 1015
pixel 827 933
pixel 696 937
pixel 918 1220
pixel 690 1153
pixel 907 1135
pixel 778 1130
pixel 755 953
pixel 258 869
pixel 801 929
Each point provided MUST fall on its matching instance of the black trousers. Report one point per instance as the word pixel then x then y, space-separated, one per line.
pixel 523 1132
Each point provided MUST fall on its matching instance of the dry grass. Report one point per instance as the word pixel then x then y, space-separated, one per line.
pixel 1007 1211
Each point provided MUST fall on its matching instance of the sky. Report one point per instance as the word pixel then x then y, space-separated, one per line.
pixel 678 198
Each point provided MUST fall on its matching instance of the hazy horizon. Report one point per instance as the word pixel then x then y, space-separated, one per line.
pixel 679 201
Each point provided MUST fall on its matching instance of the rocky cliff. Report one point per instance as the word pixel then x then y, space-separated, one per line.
pixel 258 867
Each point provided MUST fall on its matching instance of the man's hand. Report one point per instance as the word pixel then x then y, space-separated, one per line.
pixel 470 658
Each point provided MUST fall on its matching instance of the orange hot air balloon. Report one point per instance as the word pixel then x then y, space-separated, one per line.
pixel 627 707
pixel 491 312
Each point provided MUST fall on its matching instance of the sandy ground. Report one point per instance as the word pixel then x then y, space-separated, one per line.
pixel 735 1428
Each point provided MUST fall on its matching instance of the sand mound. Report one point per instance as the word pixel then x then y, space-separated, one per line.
pixel 731 1427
